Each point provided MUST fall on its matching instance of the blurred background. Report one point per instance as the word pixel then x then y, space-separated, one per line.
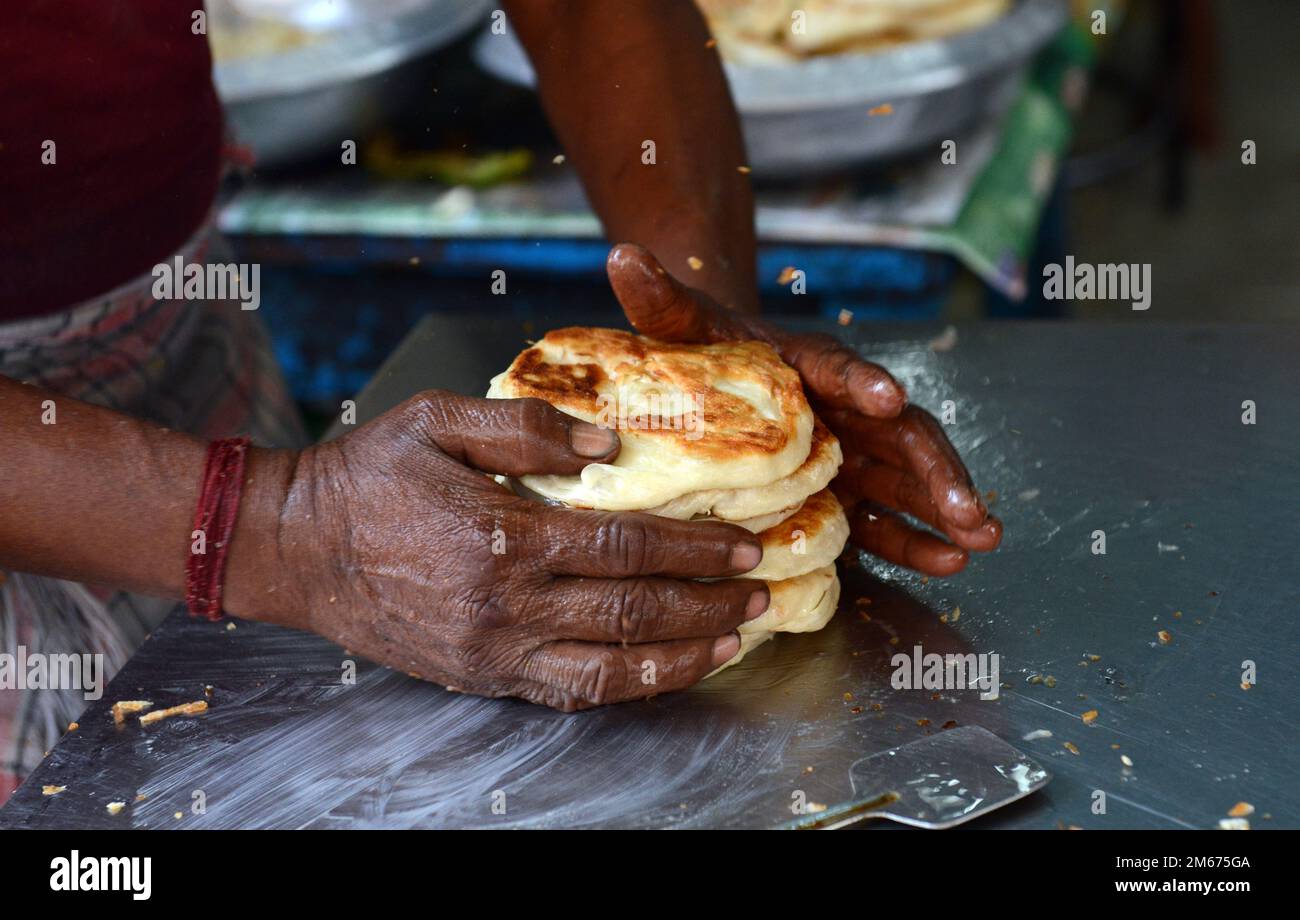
pixel 916 160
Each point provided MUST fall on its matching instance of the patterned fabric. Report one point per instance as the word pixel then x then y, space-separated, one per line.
pixel 201 367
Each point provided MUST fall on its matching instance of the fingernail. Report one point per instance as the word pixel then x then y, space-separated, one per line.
pixel 725 649
pixel 891 395
pixel 757 605
pixel 587 440
pixel 745 556
pixel 953 562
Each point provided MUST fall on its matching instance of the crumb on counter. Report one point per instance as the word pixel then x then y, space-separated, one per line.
pixel 124 708
pixel 185 709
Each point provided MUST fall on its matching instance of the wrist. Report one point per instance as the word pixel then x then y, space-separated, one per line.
pixel 260 581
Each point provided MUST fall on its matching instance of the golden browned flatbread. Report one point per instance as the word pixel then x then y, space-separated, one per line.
pixel 812 537
pixel 760 507
pixel 777 31
pixel 802 604
pixel 691 418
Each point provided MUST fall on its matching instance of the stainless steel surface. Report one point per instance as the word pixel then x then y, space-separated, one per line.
pixel 811 115
pixel 308 99
pixel 936 782
pixel 1132 429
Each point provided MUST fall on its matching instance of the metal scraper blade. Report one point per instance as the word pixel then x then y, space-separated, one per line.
pixel 936 782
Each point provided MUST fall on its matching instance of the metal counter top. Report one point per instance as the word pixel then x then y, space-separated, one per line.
pixel 1135 430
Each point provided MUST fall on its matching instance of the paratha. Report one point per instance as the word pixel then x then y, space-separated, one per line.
pixel 802 604
pixel 812 537
pixel 748 507
pixel 691 418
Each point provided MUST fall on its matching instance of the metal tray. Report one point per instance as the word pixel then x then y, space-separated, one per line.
pixel 306 100
pixel 811 115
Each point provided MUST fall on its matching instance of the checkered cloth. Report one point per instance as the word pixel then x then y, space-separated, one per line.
pixel 201 367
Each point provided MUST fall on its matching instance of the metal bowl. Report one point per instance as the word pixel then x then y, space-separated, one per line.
pixel 339 85
pixel 811 115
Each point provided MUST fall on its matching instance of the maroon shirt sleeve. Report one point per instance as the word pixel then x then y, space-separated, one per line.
pixel 124 90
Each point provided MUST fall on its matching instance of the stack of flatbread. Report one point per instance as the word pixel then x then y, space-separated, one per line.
pixel 709 432
pixel 773 31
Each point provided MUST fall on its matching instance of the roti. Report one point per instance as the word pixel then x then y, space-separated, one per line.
pixel 768 504
pixel 811 538
pixel 691 418
pixel 803 604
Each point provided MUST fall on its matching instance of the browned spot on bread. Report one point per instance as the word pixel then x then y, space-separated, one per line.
pixel 811 517
pixel 823 442
pixel 534 376
pixel 574 367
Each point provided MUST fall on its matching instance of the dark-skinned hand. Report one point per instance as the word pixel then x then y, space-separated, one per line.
pixel 898 463
pixel 404 551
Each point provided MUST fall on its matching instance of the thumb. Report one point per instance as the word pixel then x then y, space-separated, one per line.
pixel 513 437
pixel 656 303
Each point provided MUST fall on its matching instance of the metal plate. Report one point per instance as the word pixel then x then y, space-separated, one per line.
pixel 302 101
pixel 810 115
pixel 363 49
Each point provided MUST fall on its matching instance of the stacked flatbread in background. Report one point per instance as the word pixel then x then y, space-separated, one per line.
pixel 759 32
pixel 709 432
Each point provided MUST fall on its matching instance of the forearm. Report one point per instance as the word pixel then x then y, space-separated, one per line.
pixel 93 495
pixel 613 75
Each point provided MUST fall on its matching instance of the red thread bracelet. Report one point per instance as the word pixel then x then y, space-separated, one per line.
pixel 214 524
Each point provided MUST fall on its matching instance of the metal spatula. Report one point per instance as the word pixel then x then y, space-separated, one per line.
pixel 938 781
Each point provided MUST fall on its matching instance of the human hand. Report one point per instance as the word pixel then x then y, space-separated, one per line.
pixel 395 544
pixel 898 462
